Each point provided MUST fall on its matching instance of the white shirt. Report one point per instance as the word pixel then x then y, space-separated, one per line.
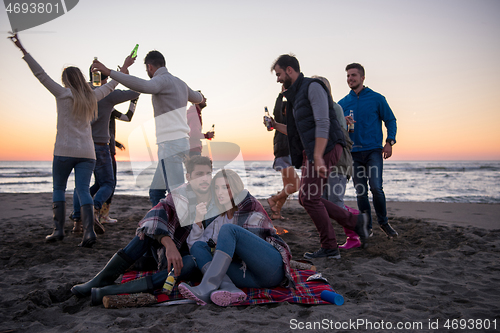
pixel 212 231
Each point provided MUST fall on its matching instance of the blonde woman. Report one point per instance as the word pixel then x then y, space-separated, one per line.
pixel 247 252
pixel 74 148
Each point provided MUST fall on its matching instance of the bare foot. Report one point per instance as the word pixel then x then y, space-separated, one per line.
pixel 272 205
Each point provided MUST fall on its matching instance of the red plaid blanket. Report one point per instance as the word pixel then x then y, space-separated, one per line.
pixel 305 292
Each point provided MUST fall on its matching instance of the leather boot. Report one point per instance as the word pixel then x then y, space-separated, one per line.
pixel 361 228
pixel 59 214
pixel 352 240
pixel 98 227
pixel 144 284
pixel 211 279
pixel 116 266
pixel 89 236
pixel 105 214
pixel 227 293
pixel 77 224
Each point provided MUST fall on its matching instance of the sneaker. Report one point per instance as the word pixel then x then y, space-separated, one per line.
pixel 389 231
pixel 370 232
pixel 323 253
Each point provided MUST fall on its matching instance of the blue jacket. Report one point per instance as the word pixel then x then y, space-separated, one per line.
pixel 370 109
pixel 301 126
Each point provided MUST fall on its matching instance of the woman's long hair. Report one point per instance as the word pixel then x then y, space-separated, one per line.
pixel 84 101
pixel 235 187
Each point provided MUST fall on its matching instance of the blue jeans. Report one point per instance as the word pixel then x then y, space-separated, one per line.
pixel 61 169
pixel 136 248
pixel 264 264
pixel 368 168
pixel 171 155
pixel 104 179
pixel 334 191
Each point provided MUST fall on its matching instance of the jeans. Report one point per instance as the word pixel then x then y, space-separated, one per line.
pixel 368 168
pixel 319 209
pixel 136 248
pixel 263 262
pixel 94 188
pixel 104 178
pixel 334 191
pixel 171 155
pixel 61 169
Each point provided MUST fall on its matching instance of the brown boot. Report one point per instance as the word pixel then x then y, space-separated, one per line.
pixel 98 227
pixel 105 214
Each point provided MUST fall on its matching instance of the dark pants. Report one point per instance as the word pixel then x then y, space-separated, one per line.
pixel 137 248
pixel 368 168
pixel 319 209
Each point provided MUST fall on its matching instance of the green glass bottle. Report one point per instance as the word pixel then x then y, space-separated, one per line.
pixel 134 51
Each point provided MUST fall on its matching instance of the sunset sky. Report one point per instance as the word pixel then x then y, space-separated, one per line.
pixel 436 62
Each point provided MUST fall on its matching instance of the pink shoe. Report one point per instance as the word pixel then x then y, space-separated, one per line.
pixel 350 243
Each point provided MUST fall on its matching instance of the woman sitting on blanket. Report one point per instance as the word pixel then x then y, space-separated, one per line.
pixel 240 248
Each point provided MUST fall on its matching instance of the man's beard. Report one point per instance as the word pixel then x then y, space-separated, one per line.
pixel 288 82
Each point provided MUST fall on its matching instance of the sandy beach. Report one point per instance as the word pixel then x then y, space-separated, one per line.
pixel 444 268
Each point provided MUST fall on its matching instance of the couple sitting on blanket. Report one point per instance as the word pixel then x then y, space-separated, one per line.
pixel 230 237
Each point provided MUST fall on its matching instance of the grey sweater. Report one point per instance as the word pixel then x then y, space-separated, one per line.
pixel 170 98
pixel 74 136
pixel 100 126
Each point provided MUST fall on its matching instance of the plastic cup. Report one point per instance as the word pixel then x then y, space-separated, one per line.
pixel 332 297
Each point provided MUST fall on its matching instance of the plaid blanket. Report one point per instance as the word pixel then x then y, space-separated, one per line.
pixel 304 293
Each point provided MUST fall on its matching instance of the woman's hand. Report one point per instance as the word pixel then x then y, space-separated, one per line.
pixel 201 211
pixel 15 39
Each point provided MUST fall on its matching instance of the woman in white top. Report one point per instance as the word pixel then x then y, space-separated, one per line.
pixel 74 148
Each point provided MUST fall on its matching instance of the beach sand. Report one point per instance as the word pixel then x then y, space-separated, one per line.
pixel 445 265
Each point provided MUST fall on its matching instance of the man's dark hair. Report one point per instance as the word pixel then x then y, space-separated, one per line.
pixel 155 58
pixel 103 77
pixel 197 160
pixel 357 66
pixel 287 60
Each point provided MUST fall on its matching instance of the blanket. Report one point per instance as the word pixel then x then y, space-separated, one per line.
pixel 304 292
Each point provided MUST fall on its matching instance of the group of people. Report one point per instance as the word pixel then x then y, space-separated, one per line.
pixel 312 134
pixel 211 225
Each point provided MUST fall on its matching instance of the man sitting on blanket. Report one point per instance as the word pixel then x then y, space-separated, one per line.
pixel 165 229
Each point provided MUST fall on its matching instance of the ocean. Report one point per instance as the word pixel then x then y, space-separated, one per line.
pixel 421 181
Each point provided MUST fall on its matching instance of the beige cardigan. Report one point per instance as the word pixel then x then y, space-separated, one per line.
pixel 74 136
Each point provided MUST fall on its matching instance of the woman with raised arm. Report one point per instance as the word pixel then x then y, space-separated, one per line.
pixel 74 148
pixel 240 248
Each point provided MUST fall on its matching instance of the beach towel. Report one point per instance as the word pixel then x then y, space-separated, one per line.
pixel 304 293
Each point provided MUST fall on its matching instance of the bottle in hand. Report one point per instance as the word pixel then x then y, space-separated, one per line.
pixel 267 119
pixel 212 131
pixel 96 77
pixel 169 284
pixel 350 127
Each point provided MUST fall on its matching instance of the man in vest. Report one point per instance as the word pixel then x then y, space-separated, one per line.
pixel 316 141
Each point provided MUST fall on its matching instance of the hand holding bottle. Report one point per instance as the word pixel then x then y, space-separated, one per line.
pixel 15 39
pixel 210 134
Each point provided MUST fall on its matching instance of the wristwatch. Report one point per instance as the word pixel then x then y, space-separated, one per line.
pixel 392 142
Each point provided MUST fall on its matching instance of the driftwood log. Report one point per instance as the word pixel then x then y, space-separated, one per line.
pixel 302 265
pixel 128 301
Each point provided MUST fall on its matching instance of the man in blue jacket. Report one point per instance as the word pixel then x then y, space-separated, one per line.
pixel 369 110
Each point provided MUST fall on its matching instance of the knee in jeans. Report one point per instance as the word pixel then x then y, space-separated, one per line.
pixel 199 245
pixel 377 190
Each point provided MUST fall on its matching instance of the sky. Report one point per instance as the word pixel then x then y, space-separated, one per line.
pixel 435 61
